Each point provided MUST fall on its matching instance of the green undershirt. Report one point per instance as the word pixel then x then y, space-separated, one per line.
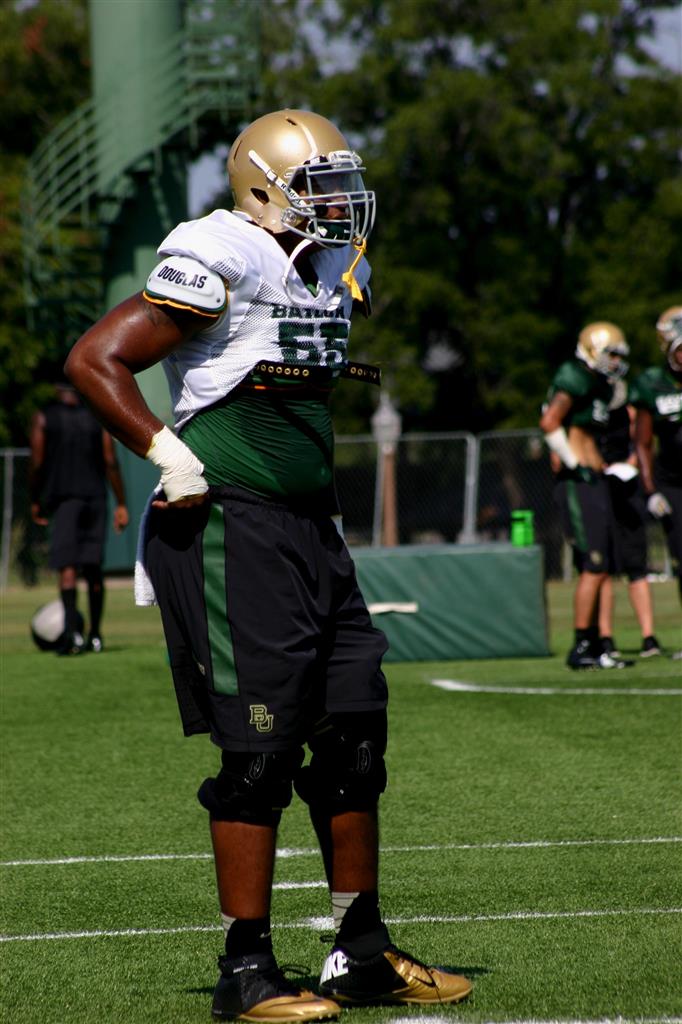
pixel 270 443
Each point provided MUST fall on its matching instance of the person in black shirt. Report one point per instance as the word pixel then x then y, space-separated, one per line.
pixel 72 458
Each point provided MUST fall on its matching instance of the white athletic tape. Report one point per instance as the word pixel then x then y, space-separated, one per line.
pixel 181 470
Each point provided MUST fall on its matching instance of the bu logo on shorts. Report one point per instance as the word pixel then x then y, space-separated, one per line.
pixel 260 717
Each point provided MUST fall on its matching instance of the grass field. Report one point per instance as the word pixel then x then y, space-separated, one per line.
pixel 531 840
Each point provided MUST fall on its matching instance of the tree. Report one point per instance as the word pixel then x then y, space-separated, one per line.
pixel 527 163
pixel 44 74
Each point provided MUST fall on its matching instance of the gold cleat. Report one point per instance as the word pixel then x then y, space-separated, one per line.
pixel 389 977
pixel 253 988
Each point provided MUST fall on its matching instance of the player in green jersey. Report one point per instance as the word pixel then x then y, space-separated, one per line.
pixel 576 412
pixel 657 396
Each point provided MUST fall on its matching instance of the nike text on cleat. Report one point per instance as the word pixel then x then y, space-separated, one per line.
pixel 253 988
pixel 389 977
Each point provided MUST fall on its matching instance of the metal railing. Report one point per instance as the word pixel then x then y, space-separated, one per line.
pixel 450 488
pixel 82 172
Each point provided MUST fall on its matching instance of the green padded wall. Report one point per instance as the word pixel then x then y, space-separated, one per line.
pixel 474 601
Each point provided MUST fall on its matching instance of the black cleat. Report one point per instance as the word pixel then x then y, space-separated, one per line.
pixel 607 646
pixel 389 977
pixel 95 643
pixel 73 643
pixel 583 656
pixel 650 647
pixel 253 988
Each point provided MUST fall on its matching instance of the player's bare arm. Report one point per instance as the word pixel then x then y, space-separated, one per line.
pixel 37 441
pixel 102 365
pixel 644 446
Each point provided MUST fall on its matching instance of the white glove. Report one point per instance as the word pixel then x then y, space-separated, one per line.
pixel 658 505
pixel 181 470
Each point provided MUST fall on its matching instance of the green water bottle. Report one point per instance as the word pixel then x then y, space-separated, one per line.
pixel 522 530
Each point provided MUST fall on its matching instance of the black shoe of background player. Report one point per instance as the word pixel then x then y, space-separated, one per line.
pixel 254 988
pixel 389 976
pixel 583 655
pixel 95 643
pixel 650 647
pixel 73 643
pixel 607 646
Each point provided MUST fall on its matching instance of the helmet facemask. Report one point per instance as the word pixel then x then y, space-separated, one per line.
pixel 669 329
pixel 321 184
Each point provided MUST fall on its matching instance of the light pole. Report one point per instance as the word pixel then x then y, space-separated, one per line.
pixel 386 427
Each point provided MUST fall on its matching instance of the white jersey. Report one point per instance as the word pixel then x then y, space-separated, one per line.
pixel 270 314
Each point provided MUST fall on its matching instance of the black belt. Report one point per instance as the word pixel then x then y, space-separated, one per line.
pixel 315 374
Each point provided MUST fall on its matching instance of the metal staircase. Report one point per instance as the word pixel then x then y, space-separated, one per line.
pixel 78 180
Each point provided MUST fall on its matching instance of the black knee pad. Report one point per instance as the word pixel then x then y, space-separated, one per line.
pixel 347 771
pixel 253 788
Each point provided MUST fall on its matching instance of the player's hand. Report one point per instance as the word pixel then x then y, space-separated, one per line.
pixel 658 505
pixel 121 518
pixel 187 502
pixel 586 474
pixel 37 515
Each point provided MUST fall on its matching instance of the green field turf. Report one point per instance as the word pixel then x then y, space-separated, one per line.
pixel 532 841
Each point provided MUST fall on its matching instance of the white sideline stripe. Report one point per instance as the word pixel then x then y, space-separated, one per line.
pixel 324 923
pixel 460 686
pixel 288 852
pixel 555 1020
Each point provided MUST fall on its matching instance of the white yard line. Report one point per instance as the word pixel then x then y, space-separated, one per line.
pixel 462 686
pixel 556 1020
pixel 324 923
pixel 290 852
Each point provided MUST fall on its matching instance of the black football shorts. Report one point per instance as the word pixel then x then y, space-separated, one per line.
pixel 587 522
pixel 629 523
pixel 77 528
pixel 265 625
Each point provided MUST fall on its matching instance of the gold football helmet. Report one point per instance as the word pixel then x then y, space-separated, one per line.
pixel 603 347
pixel 669 330
pixel 292 170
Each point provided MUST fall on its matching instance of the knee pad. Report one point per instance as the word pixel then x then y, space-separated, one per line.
pixel 347 771
pixel 253 788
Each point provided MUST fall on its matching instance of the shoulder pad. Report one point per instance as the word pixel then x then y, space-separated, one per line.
pixel 184 282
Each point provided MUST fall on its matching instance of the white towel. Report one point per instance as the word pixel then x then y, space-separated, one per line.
pixel 143 589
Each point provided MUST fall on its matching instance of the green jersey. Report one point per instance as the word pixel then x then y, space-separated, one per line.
pixel 591 394
pixel 658 391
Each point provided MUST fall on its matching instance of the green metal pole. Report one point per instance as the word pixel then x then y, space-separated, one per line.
pixel 135 48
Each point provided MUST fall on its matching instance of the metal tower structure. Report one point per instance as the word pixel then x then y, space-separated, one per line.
pixel 171 79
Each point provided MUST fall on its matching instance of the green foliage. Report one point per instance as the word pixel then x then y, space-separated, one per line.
pixel 526 161
pixel 44 74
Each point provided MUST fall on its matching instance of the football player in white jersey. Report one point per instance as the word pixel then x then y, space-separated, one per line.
pixel 270 641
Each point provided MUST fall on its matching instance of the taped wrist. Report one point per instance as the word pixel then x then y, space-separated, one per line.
pixel 181 470
pixel 557 441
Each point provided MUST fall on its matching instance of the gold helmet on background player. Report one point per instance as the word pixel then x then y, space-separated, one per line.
pixel 669 330
pixel 287 168
pixel 603 347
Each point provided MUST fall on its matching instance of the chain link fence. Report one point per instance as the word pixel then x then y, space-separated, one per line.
pixel 449 488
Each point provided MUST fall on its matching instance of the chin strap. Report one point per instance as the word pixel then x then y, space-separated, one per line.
pixel 348 278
